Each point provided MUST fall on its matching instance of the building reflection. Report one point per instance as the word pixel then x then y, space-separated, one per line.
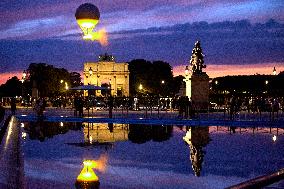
pixel 197 138
pixel 105 132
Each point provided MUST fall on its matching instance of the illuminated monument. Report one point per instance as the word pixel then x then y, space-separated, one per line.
pixel 197 81
pixel 107 71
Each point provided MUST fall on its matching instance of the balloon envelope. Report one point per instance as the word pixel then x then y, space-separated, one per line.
pixel 87 11
pixel 87 16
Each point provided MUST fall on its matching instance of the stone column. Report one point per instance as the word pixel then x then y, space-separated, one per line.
pixel 200 90
pixel 187 81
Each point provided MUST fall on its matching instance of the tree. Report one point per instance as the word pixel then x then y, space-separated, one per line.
pixel 13 87
pixel 50 80
pixel 75 79
pixel 155 78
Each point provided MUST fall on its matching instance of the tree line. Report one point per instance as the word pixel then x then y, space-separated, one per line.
pixel 146 78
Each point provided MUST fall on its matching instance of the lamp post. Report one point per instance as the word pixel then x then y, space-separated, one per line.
pixel 163 87
pixel 88 74
pixel 23 87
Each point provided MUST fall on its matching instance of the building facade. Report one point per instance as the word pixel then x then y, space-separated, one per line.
pixel 106 72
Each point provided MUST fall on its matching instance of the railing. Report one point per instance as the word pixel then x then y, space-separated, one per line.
pixel 261 181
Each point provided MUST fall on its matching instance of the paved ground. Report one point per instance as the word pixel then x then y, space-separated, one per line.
pixel 169 114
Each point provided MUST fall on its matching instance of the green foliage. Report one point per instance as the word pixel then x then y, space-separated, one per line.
pixel 50 80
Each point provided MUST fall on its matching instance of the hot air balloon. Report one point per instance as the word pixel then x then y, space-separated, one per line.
pixel 88 16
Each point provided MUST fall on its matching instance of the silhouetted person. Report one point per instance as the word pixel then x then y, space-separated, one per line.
pixel 76 105
pixel 81 107
pixel 13 106
pixel 110 106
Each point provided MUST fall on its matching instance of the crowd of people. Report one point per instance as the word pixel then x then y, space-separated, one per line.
pixel 183 105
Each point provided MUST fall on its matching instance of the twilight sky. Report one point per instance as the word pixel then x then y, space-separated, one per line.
pixel 237 36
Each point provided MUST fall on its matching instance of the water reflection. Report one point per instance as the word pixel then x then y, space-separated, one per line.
pixel 42 130
pixel 140 134
pixel 197 138
pixel 105 132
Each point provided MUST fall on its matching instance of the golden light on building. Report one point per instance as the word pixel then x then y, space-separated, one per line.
pixel 107 73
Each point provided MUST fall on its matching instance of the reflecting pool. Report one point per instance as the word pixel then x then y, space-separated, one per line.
pixel 102 155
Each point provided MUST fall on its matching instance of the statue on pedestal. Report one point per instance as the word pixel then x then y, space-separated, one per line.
pixel 196 60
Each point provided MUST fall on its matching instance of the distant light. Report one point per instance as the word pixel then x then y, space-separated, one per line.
pixel 22 125
pixel 61 124
pixel 91 139
pixel 216 82
pixel 24 135
pixel 163 82
pixel 266 82
pixel 23 115
pixel 140 87
pixel 274 138
pixel 61 81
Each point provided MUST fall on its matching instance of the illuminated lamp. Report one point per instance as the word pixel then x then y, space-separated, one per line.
pixel 87 179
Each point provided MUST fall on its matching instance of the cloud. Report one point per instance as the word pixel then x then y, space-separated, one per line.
pixel 223 43
pixel 128 15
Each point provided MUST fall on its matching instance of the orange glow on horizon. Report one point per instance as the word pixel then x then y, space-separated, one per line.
pixel 212 70
pixel 225 70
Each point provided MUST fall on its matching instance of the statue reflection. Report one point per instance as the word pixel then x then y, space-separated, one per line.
pixel 197 138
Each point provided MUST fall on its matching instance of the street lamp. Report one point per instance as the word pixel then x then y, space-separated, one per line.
pixel 66 86
pixel 186 71
pixel 140 87
pixel 163 82
pixel 90 71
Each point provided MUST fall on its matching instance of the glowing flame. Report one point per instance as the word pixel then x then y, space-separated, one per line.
pixel 103 37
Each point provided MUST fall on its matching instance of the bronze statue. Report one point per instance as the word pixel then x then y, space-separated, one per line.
pixel 196 60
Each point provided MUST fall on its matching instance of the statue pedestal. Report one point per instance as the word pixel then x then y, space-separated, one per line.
pixel 200 90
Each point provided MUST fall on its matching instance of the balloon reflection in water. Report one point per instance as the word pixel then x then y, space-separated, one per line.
pixel 87 179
